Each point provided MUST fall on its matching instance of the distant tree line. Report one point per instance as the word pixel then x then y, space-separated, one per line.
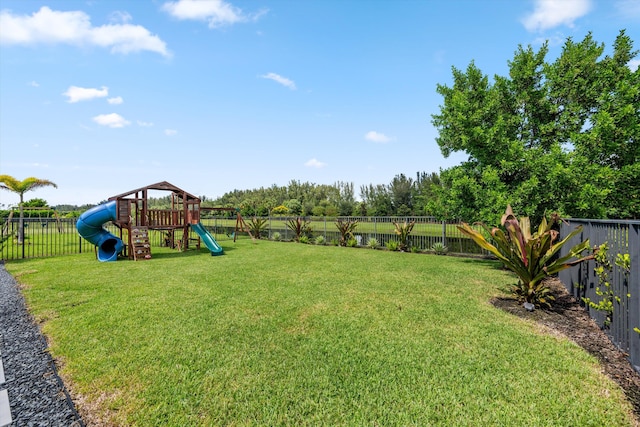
pixel 561 136
pixel 402 196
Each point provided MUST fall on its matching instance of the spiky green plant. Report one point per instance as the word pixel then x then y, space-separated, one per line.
pixel 532 257
pixel 300 227
pixel 320 240
pixel 403 230
pixel 346 229
pixel 372 243
pixel 275 236
pixel 257 226
pixel 439 248
pixel 392 245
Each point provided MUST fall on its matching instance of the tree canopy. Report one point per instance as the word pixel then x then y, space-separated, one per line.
pixel 7 182
pixel 551 136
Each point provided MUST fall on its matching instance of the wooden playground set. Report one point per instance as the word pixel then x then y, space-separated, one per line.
pixel 133 216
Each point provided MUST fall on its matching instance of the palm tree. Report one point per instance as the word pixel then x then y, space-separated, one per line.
pixel 8 182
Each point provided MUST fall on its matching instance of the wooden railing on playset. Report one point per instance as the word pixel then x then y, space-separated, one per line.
pixel 165 218
pixel 158 218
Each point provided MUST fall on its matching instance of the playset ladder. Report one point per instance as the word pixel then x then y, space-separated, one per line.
pixel 139 243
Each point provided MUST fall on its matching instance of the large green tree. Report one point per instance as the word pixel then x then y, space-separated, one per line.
pixel 10 183
pixel 551 136
pixel 402 190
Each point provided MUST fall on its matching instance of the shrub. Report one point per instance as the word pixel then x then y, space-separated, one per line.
pixel 346 229
pixel 300 227
pixel 352 242
pixel 392 245
pixel 276 236
pixel 280 210
pixel 257 226
pixel 603 269
pixel 335 242
pixel 303 239
pixel 415 249
pixel 372 243
pixel 403 230
pixel 439 248
pixel 532 257
pixel 320 240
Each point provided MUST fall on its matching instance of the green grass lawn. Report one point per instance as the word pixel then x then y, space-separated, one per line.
pixel 290 334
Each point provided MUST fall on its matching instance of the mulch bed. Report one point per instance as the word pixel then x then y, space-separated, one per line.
pixel 570 319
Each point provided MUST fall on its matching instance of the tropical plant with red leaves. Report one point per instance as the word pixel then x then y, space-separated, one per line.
pixel 531 256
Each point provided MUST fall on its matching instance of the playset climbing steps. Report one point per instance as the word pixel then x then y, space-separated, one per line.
pixel 139 243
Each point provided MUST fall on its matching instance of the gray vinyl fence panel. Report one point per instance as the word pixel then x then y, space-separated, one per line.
pixel 623 237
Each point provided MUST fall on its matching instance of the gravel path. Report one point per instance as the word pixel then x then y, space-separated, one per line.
pixel 37 396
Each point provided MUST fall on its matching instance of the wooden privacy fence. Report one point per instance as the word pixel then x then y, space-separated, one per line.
pixel 622 237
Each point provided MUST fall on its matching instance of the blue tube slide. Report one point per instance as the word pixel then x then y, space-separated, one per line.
pixel 89 226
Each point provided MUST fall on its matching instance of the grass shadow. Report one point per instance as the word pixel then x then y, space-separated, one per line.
pixel 491 263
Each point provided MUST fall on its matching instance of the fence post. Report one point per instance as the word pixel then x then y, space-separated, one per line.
pixel 444 233
pixel 634 291
pixel 325 226
pixel 21 232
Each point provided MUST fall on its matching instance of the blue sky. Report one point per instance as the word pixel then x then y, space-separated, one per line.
pixel 106 96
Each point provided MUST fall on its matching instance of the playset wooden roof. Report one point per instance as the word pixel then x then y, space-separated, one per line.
pixel 163 186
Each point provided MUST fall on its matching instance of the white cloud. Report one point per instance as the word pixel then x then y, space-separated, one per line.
pixel 115 101
pixel 34 83
pixel 144 124
pixel 377 137
pixel 553 13
pixel 634 64
pixel 216 13
pixel 76 94
pixel 315 163
pixel 170 132
pixel 112 120
pixel 282 80
pixel 48 26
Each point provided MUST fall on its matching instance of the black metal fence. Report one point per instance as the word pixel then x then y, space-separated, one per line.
pixel 43 237
pixel 426 231
pixel 50 237
pixel 622 237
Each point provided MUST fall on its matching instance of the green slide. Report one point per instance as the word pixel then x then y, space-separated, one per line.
pixel 207 238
